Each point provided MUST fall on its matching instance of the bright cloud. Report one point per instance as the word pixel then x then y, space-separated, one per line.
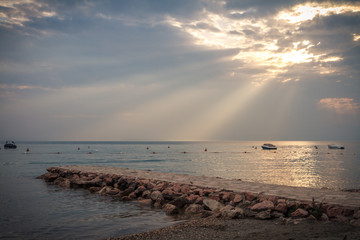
pixel 340 105
pixel 308 11
pixel 13 14
pixel 254 37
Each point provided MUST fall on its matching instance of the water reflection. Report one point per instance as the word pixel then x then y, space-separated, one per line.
pixel 305 164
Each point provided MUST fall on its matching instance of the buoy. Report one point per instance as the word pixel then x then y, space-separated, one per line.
pixel 205 149
pixel 90 152
pixel 147 148
pixel 184 152
pixel 27 150
pixel 153 152
pixel 78 148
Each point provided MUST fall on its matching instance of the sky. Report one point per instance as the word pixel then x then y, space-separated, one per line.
pixel 169 70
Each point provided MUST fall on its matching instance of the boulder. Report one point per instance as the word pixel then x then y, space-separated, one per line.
pixel 192 198
pixel 355 222
pixel 264 205
pixel 156 196
pixel 145 201
pixel 237 198
pixel 300 213
pixel 140 190
pixel 249 196
pixel 348 211
pixel 108 180
pixel 357 214
pixel 212 204
pixel 113 191
pixel 194 209
pixel 231 212
pixel 104 190
pixel 170 209
pixel 94 189
pixel 263 215
pixel 146 194
pixel 276 214
pixel 281 207
pixel 324 217
pixel 185 189
pixel 169 194
pixel 226 196
pixel 334 211
pixel 51 177
pixel 179 202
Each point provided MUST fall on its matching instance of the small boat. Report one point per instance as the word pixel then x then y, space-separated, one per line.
pixel 10 145
pixel 268 146
pixel 335 146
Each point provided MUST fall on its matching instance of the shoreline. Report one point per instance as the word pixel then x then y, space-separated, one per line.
pixel 213 201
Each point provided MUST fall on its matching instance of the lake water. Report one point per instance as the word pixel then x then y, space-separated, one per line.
pixel 32 209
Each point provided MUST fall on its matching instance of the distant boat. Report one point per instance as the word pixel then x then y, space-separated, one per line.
pixel 10 145
pixel 268 146
pixel 335 146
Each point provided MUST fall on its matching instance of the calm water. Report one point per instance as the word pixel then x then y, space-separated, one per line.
pixel 31 209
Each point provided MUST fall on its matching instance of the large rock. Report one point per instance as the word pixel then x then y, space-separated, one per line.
pixel 156 196
pixel 300 213
pixel 232 212
pixel 324 217
pixel 334 211
pixel 213 205
pixel 281 207
pixel 169 194
pixel 194 209
pixel 357 214
pixel 170 209
pixel 140 190
pixel 264 205
pixel 263 215
pixel 355 222
pixel 237 198
pixel 179 202
pixel 249 196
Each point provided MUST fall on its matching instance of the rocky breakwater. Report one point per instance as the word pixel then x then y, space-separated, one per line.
pixel 194 201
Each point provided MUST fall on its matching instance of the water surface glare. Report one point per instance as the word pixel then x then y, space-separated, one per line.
pixel 32 209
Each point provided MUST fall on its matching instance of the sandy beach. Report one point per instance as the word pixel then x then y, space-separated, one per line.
pixel 253 229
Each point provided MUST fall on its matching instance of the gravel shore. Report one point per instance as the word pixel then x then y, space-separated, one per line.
pixel 214 228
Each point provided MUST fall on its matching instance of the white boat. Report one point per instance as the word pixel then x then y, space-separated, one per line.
pixel 268 146
pixel 335 146
pixel 10 145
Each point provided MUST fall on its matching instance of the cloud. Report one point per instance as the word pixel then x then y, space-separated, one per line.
pixel 340 105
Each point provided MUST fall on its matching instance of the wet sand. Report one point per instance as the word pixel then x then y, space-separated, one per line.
pixel 250 229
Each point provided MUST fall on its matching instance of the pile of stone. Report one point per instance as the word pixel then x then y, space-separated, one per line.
pixel 190 200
